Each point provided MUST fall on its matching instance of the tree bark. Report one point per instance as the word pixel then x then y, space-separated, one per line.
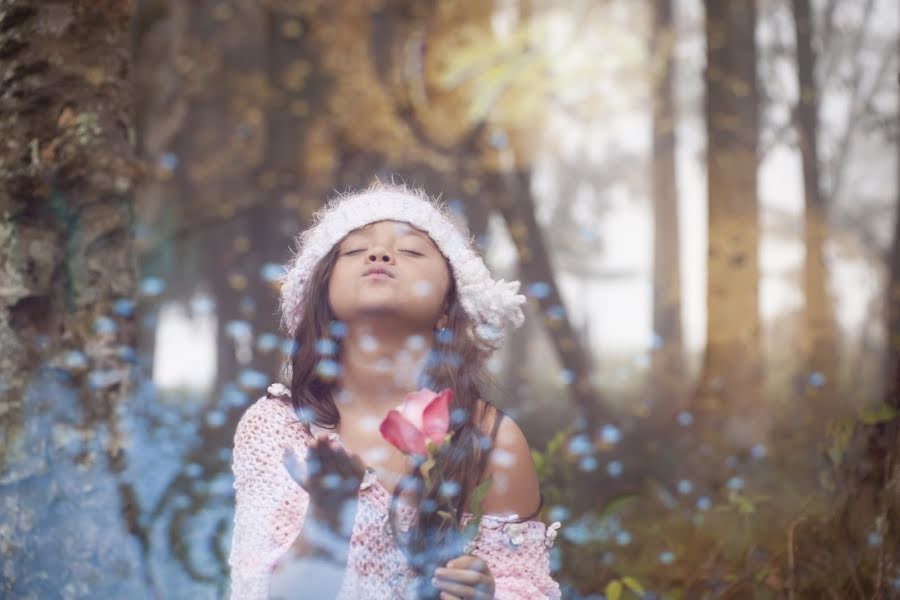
pixel 821 338
pixel 893 298
pixel 730 380
pixel 67 331
pixel 667 366
pixel 67 167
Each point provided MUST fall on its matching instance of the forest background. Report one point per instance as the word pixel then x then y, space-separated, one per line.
pixel 700 199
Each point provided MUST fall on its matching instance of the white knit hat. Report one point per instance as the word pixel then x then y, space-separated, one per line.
pixel 488 303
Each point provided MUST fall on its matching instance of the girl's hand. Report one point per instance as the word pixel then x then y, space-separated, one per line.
pixel 332 476
pixel 464 577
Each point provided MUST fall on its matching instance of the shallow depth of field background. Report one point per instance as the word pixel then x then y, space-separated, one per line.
pixel 706 368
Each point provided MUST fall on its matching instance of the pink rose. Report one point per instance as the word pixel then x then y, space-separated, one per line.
pixel 424 415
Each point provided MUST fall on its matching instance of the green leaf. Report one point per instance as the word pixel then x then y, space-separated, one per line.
pixel 879 413
pixel 632 584
pixel 745 507
pixel 539 462
pixel 614 590
pixel 427 466
pixel 557 442
pixel 617 504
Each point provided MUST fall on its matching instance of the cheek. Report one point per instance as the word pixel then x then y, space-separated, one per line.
pixel 432 286
pixel 337 293
pixel 444 280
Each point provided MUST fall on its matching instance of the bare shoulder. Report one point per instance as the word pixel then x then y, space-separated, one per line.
pixel 514 482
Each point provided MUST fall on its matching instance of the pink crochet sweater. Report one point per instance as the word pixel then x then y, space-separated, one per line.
pixel 270 508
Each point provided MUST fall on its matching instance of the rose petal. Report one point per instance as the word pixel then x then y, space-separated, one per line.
pixel 436 416
pixel 402 434
pixel 414 405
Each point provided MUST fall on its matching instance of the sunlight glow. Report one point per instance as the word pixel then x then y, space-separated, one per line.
pixel 185 352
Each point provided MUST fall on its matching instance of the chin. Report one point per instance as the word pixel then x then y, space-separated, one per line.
pixel 390 312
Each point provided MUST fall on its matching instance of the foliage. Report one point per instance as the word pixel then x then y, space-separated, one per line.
pixel 768 531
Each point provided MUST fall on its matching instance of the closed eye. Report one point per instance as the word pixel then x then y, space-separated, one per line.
pixel 352 252
pixel 413 252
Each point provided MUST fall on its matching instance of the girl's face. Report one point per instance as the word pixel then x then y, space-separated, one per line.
pixel 389 269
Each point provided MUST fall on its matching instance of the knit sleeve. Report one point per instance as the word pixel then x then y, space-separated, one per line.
pixel 269 505
pixel 518 556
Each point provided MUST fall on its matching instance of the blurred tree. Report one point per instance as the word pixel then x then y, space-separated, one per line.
pixel 513 198
pixel 730 379
pixel 843 115
pixel 667 368
pixel 892 300
pixel 820 335
pixel 892 295
pixel 243 158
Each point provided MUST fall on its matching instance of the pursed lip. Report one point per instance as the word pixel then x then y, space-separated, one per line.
pixel 376 270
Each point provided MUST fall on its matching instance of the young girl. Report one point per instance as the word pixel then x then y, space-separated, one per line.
pixel 386 296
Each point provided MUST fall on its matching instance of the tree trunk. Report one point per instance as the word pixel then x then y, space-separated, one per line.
pixel 516 205
pixel 252 165
pixel 893 299
pixel 821 337
pixel 730 381
pixel 667 367
pixel 67 333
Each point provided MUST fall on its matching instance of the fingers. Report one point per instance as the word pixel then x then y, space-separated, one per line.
pixel 459 590
pixel 462 575
pixel 468 561
pixel 325 450
pixel 348 465
pixel 337 467
pixel 446 596
pixel 343 462
pixel 333 471
pixel 357 464
pixel 321 449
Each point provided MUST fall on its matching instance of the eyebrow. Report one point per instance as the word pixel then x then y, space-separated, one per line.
pixel 424 236
pixel 408 230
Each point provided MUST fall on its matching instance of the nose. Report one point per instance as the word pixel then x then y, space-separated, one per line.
pixel 379 253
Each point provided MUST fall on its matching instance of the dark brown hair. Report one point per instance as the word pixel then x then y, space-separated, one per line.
pixel 456 362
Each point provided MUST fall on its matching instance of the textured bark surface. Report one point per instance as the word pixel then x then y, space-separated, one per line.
pixel 732 363
pixel 68 278
pixel 66 175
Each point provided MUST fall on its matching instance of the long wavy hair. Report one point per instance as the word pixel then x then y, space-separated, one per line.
pixel 455 362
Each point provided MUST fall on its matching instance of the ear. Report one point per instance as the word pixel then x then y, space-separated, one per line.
pixel 442 322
